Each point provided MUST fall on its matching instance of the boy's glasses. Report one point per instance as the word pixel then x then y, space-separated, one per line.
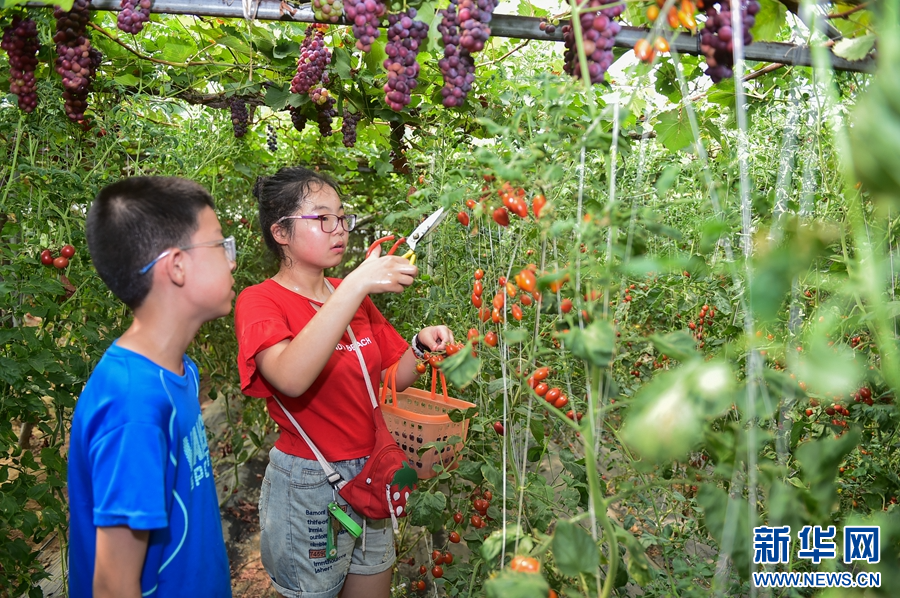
pixel 228 243
pixel 329 222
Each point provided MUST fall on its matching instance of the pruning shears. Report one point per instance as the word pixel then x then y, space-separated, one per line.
pixel 414 237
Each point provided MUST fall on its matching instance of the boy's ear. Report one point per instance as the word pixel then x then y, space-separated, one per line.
pixel 175 267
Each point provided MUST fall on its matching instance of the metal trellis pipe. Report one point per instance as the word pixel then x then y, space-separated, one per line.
pixel 511 26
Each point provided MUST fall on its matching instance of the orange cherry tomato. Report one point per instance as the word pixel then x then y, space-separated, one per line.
pixel 652 13
pixel 479 274
pixel 552 395
pixel 473 336
pixel 526 300
pixel 565 306
pixel 498 300
pixel 561 402
pixel 525 564
pixel 470 203
pixel 541 389
pixel 511 289
pixel 541 373
pixel 421 367
pixel 491 338
pixel 516 312
pixel 496 316
pixel 661 45
pixel 672 18
pixel 485 314
pixel 476 300
pixel 526 280
pixel 537 204
pixel 644 50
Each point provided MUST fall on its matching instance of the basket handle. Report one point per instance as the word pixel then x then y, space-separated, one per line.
pixel 390 383
pixel 435 372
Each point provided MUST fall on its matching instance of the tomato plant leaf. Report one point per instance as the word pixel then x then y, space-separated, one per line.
pixel 724 517
pixel 677 345
pixel 574 551
pixel 512 584
pixel 427 509
pixel 462 367
pixel 819 462
pixel 595 344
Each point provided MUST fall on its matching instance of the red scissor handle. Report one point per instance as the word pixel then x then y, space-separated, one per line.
pixel 382 240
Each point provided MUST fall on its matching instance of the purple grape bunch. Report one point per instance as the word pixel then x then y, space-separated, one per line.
pixel 20 40
pixel 717 37
pixel 133 15
pixel 473 17
pixel 348 127
pixel 76 61
pixel 364 16
pixel 298 119
pixel 314 57
pixel 271 138
pixel 240 118
pixel 405 36
pixel 457 66
pixel 598 31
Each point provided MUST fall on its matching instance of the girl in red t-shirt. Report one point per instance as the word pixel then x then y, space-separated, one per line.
pixel 304 356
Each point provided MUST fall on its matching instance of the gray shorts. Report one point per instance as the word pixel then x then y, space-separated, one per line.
pixel 293 520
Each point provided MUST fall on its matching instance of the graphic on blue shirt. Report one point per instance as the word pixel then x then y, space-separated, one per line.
pixel 139 458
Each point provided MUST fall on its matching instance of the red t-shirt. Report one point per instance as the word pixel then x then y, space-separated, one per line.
pixel 336 411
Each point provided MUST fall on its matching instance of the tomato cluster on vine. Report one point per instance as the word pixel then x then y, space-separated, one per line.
pixel 60 261
pixel 513 200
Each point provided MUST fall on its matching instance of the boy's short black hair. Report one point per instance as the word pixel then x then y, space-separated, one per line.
pixel 282 194
pixel 134 220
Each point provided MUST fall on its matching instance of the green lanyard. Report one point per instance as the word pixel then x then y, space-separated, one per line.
pixel 340 518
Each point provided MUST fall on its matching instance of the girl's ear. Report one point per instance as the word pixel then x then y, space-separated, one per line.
pixel 281 234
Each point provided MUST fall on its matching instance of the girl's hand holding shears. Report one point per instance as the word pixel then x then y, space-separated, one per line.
pixel 384 274
pixel 428 225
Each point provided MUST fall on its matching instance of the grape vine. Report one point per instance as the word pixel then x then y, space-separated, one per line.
pixel 405 36
pixel 20 40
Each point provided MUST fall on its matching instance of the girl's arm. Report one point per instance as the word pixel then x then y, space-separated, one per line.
pixel 292 366
pixel 436 338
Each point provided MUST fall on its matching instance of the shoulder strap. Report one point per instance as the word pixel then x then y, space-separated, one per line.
pixel 334 478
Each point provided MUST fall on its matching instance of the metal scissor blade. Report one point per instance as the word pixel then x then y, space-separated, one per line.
pixel 426 227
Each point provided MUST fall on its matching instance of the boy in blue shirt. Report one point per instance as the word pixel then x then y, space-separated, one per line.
pixel 144 517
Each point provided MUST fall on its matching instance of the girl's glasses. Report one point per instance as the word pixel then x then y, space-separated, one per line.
pixel 228 243
pixel 329 222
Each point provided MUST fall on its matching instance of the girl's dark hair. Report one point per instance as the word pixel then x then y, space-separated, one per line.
pixel 133 221
pixel 281 195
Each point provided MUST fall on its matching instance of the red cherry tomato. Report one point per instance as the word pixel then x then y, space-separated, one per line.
pixel 67 251
pixel 565 306
pixel 491 338
pixel 525 299
pixel 516 312
pixel 60 262
pixel 463 218
pixel 47 257
pixel 496 316
pixel 552 394
pixel 479 274
pixel 501 216
pixel 420 584
pixel 437 557
pixel 457 518
pixel 498 300
pixel 453 348
pixel 485 314
pixel 421 367
pixel 423 570
pixel 541 389
pixel 454 536
pixel 437 571
pixel 478 287
pixel 473 335
pixel 470 203
pixel 476 300
pixel 435 360
pixel 488 495
pixel 541 373
pixel 526 280
pixel 448 558
pixel 498 428
pixel 561 402
pixel 476 521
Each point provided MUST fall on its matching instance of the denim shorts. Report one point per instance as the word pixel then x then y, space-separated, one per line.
pixel 293 520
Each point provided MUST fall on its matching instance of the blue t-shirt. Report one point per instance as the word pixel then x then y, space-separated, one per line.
pixel 139 457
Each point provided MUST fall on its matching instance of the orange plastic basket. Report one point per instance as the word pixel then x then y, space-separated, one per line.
pixel 417 418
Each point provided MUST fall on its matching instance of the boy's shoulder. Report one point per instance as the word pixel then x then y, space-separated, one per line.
pixel 126 387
